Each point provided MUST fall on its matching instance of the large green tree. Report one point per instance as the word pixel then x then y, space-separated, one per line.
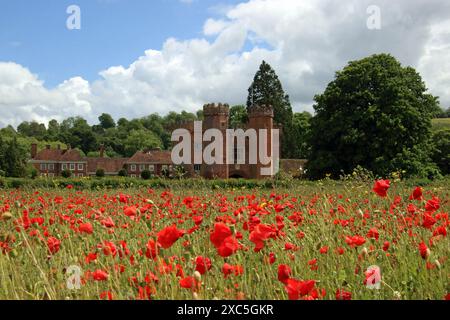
pixel 441 152
pixel 376 114
pixel 301 129
pixel 106 121
pixel 267 89
pixel 238 117
pixel 13 157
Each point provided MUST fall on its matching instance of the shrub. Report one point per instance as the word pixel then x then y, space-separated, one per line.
pixel 146 174
pixel 100 173
pixel 66 174
pixel 122 173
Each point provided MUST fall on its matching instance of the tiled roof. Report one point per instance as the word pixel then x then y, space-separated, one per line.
pixel 153 156
pixel 71 155
pixel 110 165
pixel 58 155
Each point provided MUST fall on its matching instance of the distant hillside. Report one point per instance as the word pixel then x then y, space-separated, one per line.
pixel 442 123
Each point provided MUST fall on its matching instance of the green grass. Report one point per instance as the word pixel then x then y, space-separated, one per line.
pixel 440 124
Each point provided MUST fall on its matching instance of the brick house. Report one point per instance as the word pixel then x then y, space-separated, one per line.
pixel 51 162
pixel 156 161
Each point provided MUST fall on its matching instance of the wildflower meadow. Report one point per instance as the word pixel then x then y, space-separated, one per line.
pixel 335 240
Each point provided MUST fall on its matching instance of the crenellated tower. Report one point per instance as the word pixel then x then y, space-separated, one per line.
pixel 216 117
pixel 261 117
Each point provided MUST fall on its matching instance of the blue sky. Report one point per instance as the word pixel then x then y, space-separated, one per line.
pixel 132 58
pixel 113 32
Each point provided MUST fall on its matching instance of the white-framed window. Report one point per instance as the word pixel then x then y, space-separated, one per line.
pixel 64 166
pixel 43 166
pixel 133 176
pixel 51 166
pixel 133 167
pixel 141 167
pixel 80 166
pixel 80 175
pixel 151 168
pixel 197 168
pixel 72 166
pixel 165 167
pixel 51 175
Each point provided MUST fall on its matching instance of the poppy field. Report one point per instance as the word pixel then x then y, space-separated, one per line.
pixel 308 242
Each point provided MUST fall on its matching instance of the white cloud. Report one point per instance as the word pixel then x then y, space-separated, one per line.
pixel 305 41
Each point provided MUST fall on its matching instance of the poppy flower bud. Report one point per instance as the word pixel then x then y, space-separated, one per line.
pixel 365 252
pixel 6 215
pixel 197 276
pixel 437 263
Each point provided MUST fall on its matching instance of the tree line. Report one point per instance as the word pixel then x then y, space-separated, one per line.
pixel 375 114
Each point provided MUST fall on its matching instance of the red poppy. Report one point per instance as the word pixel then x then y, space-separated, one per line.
pixel 86 228
pixel 373 233
pixel 229 246
pixel 440 231
pixel 381 187
pixel 106 295
pixel 323 250
pixel 428 220
pixel 297 288
pixel 152 249
pixel 343 295
pixel 130 211
pixel 202 264
pixel 229 269
pixel 100 275
pixel 284 273
pixel 107 222
pixel 355 241
pixel 432 205
pixel 423 250
pixel 221 231
pixel 90 257
pixel 261 233
pixel 189 283
pixel 416 194
pixel 168 236
pixel 53 245
pixel 197 220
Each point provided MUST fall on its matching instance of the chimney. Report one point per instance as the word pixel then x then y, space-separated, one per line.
pixel 33 150
pixel 48 147
pixel 102 151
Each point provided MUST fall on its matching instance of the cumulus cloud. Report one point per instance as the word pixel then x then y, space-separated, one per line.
pixel 305 41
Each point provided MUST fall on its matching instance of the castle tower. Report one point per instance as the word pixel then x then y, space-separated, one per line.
pixel 216 117
pixel 261 117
